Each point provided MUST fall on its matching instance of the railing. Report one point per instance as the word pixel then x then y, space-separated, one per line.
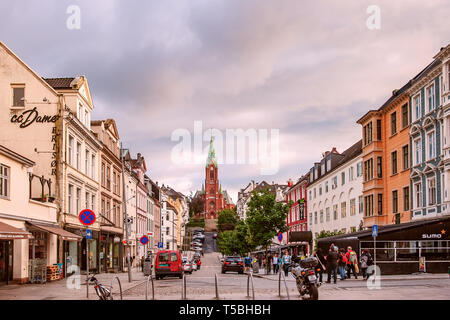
pixel 183 288
pixel 250 279
pixel 216 285
pixel 146 288
pixel 285 284
pixel 120 286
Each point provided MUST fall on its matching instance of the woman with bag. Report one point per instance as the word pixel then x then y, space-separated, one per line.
pixel 321 266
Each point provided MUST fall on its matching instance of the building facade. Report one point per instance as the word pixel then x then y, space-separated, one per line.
pixel 335 197
pixel 297 219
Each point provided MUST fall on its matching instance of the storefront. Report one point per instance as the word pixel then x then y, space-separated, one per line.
pixel 7 236
pixel 110 252
pixel 403 248
pixel 75 252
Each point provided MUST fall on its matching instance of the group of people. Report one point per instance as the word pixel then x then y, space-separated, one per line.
pixel 342 262
pixel 271 263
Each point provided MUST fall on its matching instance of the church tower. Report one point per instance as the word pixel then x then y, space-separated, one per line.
pixel 212 192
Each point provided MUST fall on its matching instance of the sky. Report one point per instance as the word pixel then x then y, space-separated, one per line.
pixel 309 69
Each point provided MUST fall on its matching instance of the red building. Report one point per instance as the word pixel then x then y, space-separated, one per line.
pixel 214 198
pixel 297 216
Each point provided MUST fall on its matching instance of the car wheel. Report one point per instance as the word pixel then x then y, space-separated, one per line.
pixel 181 276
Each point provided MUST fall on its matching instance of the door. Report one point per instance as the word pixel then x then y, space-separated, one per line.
pixel 102 257
pixel 6 261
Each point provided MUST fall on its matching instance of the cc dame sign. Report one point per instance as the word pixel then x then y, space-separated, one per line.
pixel 28 117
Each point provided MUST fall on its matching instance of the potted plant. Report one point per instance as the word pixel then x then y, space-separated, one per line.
pixel 51 199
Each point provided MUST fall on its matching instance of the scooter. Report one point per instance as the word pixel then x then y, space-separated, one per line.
pixel 305 277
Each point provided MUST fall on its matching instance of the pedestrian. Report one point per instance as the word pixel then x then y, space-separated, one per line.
pixel 366 260
pixel 332 258
pixel 286 262
pixel 275 263
pixel 352 261
pixel 321 266
pixel 269 263
pixel 260 262
pixel 199 263
pixel 342 264
pixel 247 262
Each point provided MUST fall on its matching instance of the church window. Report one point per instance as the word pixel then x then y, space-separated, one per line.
pixel 211 173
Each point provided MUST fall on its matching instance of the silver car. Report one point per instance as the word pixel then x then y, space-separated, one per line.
pixel 187 266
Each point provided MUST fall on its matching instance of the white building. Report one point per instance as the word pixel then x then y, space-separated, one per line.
pixel 335 201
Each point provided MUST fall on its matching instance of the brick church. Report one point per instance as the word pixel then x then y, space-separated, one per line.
pixel 214 197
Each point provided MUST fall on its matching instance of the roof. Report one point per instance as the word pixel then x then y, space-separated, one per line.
pixel 211 155
pixel 15 156
pixel 60 83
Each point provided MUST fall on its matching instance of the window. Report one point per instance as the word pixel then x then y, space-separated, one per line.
pixel 380 204
pixel 359 169
pixel 315 193
pixel 431 101
pixel 70 199
pixel 103 174
pixel 86 162
pixel 335 212
pixel 417 151
pixel 393 123
pixel 405 152
pixel 394 162
pixel 334 183
pixel 361 204
pixel 368 203
pixel 70 150
pixel 78 201
pixel 321 216
pixel 93 203
pixel 320 190
pixel 379 130
pixel 326 186
pixel 343 209
pixel 87 200
pixel 93 176
pixel 431 191
pixel 379 167
pixel 342 178
pixel 315 217
pixel 18 97
pixel 352 207
pixel 103 206
pixel 108 209
pixel 368 170
pixel 4 181
pixel 405 118
pixel 78 164
pixel 431 140
pixel 350 174
pixel 418 195
pixel 211 174
pixel 417 107
pixel 108 178
pixel 368 133
pixel 327 211
pixel 406 199
pixel 395 201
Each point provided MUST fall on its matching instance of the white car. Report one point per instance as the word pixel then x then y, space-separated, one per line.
pixel 194 266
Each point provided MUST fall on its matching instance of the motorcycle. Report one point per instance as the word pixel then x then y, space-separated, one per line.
pixel 305 277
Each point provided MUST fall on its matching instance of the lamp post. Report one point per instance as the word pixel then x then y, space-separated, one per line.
pixel 125 216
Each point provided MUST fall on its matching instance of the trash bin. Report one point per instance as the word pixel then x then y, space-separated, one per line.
pixel 255 268
pixel 147 267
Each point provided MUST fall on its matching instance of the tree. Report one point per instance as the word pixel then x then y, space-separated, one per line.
pixel 230 242
pixel 326 234
pixel 227 220
pixel 266 218
pixel 196 206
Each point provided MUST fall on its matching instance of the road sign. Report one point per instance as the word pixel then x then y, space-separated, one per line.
pixel 280 237
pixel 160 245
pixel 150 234
pixel 374 230
pixel 88 234
pixel 87 217
pixel 144 240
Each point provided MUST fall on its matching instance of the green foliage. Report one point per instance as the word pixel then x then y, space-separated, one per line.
pixel 230 242
pixel 325 234
pixel 265 218
pixel 227 220
pixel 196 206
pixel 196 223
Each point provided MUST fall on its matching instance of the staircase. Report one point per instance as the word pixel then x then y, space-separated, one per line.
pixel 210 225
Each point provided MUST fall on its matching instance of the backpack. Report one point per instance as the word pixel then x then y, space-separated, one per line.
pixel 343 258
pixel 353 257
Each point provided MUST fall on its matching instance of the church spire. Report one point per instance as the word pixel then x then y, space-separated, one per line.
pixel 211 155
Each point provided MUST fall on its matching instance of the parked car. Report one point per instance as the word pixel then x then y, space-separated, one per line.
pixel 215 236
pixel 199 236
pixel 233 264
pixel 194 266
pixel 168 263
pixel 187 266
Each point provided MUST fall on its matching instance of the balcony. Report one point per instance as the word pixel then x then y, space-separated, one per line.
pixel 375 219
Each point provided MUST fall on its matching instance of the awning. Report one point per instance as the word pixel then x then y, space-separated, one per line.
pixel 300 236
pixel 8 232
pixel 64 234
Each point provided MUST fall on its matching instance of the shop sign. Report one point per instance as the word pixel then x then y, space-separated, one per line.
pixel 116 239
pixel 31 116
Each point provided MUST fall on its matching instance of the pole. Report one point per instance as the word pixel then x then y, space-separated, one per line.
pixel 87 265
pixel 125 215
pixel 375 253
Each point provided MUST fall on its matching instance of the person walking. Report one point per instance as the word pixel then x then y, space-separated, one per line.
pixel 286 262
pixel 275 263
pixel 321 266
pixel 199 263
pixel 366 260
pixel 332 258
pixel 352 261
pixel 247 262
pixel 342 264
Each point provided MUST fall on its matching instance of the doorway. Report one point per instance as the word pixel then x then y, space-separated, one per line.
pixel 6 261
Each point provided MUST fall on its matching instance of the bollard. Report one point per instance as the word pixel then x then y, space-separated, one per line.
pixel 217 286
pixel 250 278
pixel 153 288
pixel 285 285
pixel 120 287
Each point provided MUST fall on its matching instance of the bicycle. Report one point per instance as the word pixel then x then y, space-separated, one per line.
pixel 102 291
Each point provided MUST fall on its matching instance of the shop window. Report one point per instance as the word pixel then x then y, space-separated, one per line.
pixel 435 250
pixel 407 251
pixel 38 245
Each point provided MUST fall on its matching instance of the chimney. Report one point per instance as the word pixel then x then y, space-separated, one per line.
pixel 290 183
pixel 334 150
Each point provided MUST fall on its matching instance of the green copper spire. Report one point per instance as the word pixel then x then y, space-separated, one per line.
pixel 211 155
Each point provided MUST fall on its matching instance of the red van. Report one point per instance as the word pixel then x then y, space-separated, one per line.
pixel 168 263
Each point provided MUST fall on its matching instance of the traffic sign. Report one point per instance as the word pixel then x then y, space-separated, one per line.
pixel 144 240
pixel 280 237
pixel 374 230
pixel 87 217
pixel 88 234
pixel 160 245
pixel 150 234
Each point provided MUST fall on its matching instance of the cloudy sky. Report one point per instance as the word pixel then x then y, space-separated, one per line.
pixel 307 68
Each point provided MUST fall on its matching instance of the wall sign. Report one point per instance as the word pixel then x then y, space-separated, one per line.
pixel 28 117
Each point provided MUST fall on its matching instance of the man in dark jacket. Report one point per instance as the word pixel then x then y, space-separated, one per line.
pixel 332 258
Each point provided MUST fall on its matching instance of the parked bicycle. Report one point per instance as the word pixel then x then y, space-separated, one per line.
pixel 103 292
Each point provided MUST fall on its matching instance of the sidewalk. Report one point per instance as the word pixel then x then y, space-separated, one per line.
pixel 58 290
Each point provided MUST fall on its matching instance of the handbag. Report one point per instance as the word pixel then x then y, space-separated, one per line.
pixel 356 268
